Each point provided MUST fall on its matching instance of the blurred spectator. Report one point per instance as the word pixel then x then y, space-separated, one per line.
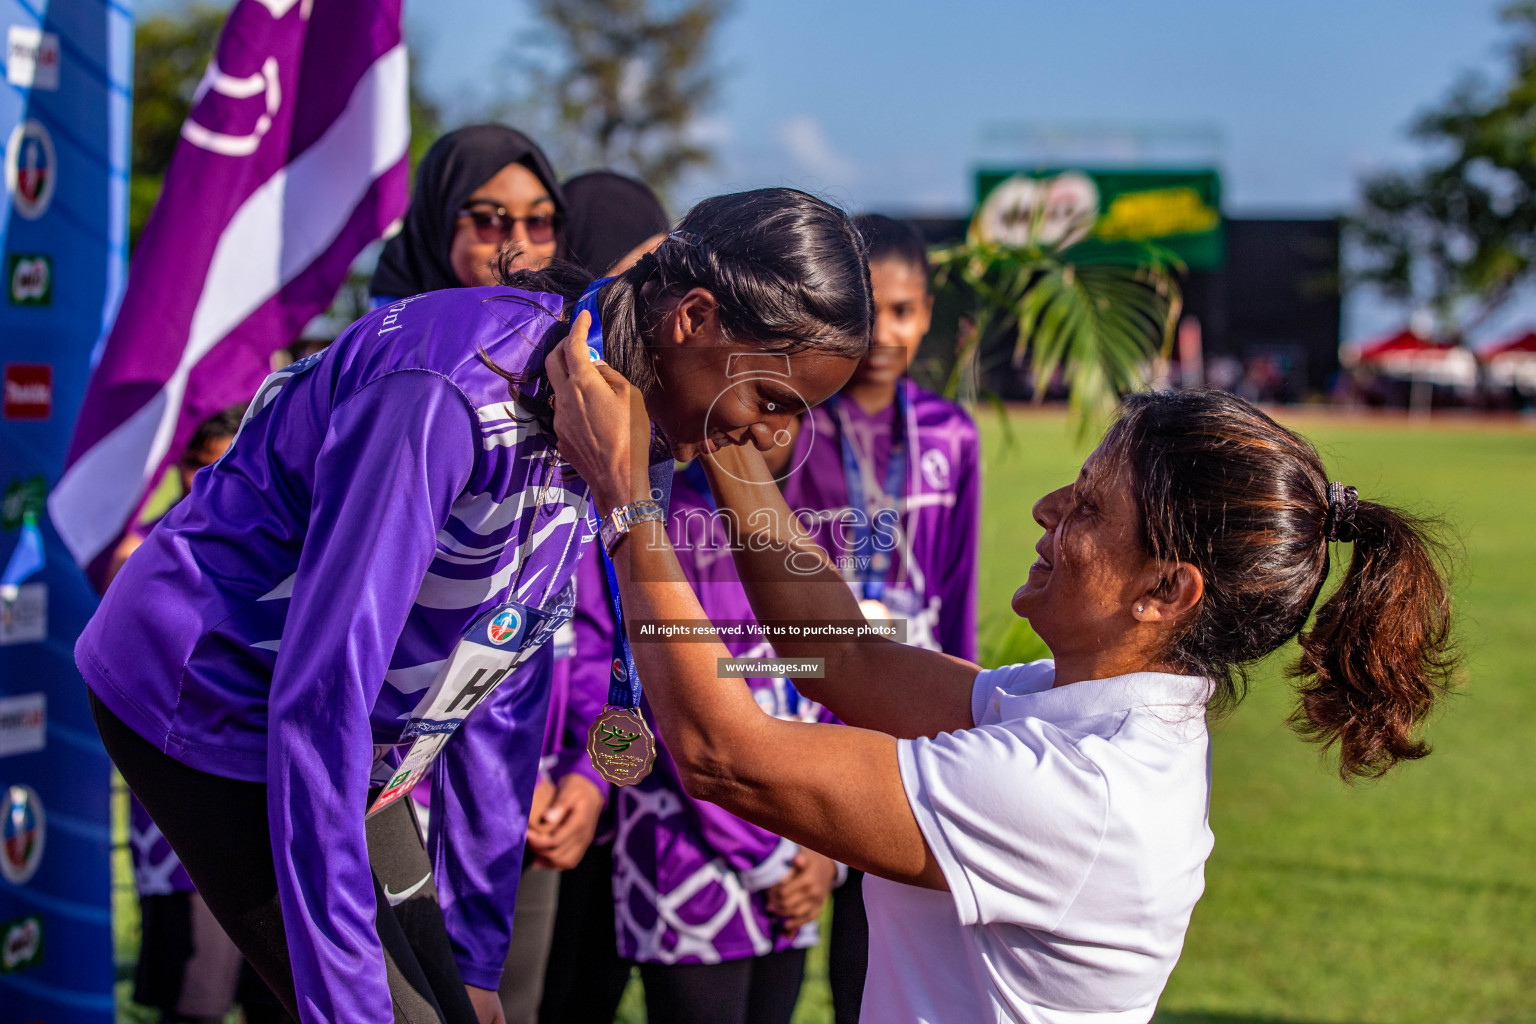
pixel 614 220
pixel 305 346
pixel 477 189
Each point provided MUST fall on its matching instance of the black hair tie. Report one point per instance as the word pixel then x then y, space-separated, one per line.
pixel 1343 502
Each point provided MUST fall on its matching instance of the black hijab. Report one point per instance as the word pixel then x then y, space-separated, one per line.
pixel 416 260
pixel 610 214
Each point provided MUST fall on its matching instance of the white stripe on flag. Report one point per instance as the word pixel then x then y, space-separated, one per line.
pixel 284 226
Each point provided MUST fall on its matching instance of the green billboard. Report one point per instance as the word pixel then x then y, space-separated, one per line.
pixel 1179 210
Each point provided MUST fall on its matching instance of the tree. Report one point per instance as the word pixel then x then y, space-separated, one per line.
pixel 621 83
pixel 1457 237
pixel 170 53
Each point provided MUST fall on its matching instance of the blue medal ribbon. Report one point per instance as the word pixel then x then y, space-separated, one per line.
pixel 623 679
pixel 872 567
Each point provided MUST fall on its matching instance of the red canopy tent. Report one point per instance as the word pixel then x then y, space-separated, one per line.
pixel 1511 363
pixel 1412 356
pixel 1404 342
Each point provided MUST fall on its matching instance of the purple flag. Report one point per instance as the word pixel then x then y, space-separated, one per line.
pixel 293 158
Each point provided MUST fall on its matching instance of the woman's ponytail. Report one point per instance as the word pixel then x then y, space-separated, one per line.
pixel 1380 653
pixel 1224 488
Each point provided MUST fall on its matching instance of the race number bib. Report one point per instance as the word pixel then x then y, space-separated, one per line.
pixel 490 650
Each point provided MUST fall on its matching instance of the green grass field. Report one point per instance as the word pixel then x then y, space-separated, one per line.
pixel 1408 900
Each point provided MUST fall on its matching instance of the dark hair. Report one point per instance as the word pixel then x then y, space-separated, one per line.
pixel 222 424
pixel 786 268
pixel 886 238
pixel 1224 488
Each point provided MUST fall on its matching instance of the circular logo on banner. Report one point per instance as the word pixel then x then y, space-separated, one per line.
pixel 934 465
pixel 504 626
pixel 21 834
pixel 618 670
pixel 31 169
pixel 1023 210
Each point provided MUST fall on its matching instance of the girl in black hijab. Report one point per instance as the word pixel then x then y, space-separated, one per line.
pixel 611 216
pixel 477 188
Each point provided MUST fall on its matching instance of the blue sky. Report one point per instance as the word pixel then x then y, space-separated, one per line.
pixel 884 106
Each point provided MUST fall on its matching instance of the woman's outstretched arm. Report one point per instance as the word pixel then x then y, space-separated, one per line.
pixel 835 789
pixel 871 683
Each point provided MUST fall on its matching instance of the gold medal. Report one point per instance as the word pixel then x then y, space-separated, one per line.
pixel 621 746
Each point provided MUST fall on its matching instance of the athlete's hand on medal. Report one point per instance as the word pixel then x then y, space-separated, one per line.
pixel 562 830
pixel 798 898
pixel 601 426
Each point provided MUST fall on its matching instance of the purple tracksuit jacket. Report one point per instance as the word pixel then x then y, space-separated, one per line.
pixel 280 625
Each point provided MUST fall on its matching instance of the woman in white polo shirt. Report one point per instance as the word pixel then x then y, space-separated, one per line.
pixel 1040 830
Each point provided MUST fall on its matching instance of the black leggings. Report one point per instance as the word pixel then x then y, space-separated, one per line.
pixel 218 827
pixel 848 950
pixel 585 978
pixel 756 990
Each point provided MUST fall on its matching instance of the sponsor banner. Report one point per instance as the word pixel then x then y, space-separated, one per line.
pixel 23 723
pixel 21 944
pixel 28 391
pixel 1177 209
pixel 32 58
pixel 24 620
pixel 64 169
pixel 31 279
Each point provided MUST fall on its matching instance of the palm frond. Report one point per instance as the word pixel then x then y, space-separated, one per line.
pixel 1098 318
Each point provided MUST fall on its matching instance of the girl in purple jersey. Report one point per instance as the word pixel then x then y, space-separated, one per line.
pixel 1039 832
pixel 886 444
pixel 391 536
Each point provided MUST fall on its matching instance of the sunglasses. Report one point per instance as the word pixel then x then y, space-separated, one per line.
pixel 493 225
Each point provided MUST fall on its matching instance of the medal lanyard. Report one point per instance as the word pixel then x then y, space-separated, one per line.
pixel 872 567
pixel 623 681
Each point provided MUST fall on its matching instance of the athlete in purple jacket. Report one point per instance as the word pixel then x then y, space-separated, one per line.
pixel 299 640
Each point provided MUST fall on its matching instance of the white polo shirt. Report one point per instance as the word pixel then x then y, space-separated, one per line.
pixel 1071 826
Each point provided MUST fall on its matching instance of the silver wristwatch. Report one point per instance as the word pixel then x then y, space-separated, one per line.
pixel 620 521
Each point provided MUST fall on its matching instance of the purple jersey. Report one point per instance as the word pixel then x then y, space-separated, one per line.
pixel 286 618
pixel 690 879
pixel 932 581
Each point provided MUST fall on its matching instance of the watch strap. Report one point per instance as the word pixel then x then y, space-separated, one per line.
pixel 622 519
